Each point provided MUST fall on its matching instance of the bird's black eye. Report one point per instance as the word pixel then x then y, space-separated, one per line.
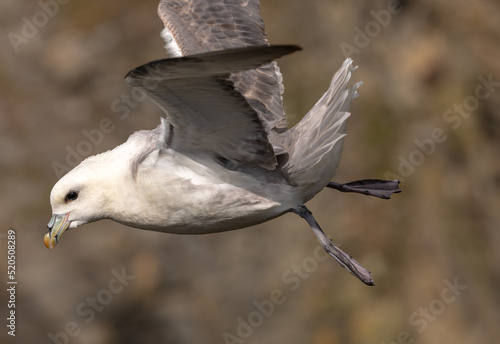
pixel 71 196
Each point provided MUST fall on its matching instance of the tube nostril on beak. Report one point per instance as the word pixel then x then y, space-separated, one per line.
pixel 51 222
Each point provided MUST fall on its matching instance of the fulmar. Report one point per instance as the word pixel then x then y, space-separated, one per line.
pixel 223 157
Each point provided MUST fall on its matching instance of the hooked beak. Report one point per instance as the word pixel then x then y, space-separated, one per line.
pixel 57 225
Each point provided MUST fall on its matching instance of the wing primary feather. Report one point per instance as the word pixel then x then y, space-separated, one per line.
pixel 220 62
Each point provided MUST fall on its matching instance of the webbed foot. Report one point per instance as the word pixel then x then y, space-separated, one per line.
pixel 371 187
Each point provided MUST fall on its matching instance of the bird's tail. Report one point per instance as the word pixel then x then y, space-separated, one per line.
pixel 315 144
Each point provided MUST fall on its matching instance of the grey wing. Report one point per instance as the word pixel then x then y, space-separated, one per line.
pixel 197 26
pixel 204 110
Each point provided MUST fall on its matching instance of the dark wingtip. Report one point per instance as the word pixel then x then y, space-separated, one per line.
pixel 134 73
pixel 287 48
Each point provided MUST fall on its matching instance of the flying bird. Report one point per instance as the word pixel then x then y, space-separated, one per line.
pixel 222 157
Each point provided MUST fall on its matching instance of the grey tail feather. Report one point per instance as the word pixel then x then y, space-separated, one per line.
pixel 315 144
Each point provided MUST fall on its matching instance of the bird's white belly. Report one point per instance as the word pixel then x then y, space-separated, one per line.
pixel 200 204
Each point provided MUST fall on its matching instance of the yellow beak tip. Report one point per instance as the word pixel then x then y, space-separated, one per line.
pixel 49 242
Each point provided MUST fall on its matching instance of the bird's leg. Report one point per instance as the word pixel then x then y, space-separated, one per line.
pixel 372 187
pixel 340 256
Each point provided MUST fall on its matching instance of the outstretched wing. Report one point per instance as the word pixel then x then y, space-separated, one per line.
pixel 198 26
pixel 204 110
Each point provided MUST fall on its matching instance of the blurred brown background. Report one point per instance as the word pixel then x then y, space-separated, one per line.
pixel 433 250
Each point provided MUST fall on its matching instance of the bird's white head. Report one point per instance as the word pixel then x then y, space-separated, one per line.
pixel 98 187
pixel 79 197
